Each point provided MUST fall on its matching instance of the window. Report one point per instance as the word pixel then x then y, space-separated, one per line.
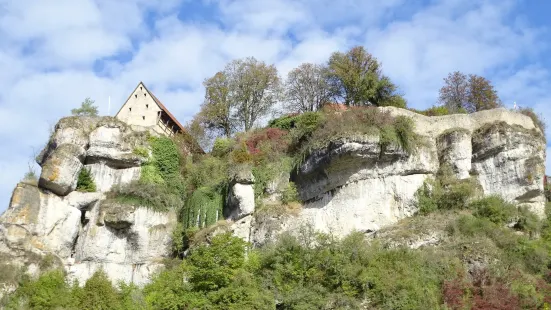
pixel 130 109
pixel 144 94
pixel 143 118
pixel 136 95
pixel 147 106
pixel 141 88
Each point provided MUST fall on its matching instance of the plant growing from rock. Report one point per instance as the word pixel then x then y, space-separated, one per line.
pixel 85 181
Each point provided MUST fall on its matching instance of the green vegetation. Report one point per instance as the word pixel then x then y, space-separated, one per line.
pixel 316 271
pixel 538 121
pixel 87 108
pixel 85 182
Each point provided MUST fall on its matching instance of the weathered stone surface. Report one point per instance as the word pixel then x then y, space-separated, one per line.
pixel 106 177
pixel 131 253
pixel 106 146
pixel 241 174
pixel 61 169
pixel 51 222
pixel 240 201
pixel 116 215
pixel 510 161
pixel 455 149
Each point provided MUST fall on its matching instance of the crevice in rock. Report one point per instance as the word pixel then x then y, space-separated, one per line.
pixel 83 217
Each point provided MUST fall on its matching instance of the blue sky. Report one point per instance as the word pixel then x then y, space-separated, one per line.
pixel 55 53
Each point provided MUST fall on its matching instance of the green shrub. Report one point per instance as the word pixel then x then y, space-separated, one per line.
pixel 85 181
pixel 206 171
pixel 307 122
pixel 141 151
pixel 157 197
pixel 49 291
pixel 445 193
pixel 166 158
pixel 240 155
pixel 538 121
pixel 98 293
pixel 495 209
pixel 221 147
pixel 286 122
pixel 289 194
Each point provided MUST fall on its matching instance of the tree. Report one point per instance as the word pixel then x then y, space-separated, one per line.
pixel 472 93
pixel 254 89
pixel 307 88
pixel 87 108
pixel 358 80
pixel 216 111
pixel 482 95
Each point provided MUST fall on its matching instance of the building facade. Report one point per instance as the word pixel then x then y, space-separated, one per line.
pixel 143 109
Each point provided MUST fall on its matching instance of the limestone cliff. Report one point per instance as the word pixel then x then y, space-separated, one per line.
pixel 352 184
pixel 85 231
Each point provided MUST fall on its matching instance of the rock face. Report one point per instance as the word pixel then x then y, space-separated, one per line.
pixel 84 232
pixel 352 184
pixel 355 185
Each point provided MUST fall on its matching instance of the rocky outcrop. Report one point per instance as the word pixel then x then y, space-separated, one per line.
pixel 105 145
pixel 353 184
pixel 85 231
pixel 240 200
pixel 356 185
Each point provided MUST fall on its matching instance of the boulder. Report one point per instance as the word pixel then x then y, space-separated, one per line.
pixel 61 169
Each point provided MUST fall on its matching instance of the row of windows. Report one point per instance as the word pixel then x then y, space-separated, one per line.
pixel 146 106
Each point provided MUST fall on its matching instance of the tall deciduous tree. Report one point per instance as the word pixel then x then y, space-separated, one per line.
pixel 216 111
pixel 87 108
pixel 471 93
pixel 254 89
pixel 482 95
pixel 307 88
pixel 236 98
pixel 358 79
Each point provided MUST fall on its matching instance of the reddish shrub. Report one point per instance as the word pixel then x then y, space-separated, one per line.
pixel 275 138
pixel 496 296
pixel 454 292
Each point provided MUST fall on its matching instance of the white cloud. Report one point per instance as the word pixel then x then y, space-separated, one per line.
pixel 48 50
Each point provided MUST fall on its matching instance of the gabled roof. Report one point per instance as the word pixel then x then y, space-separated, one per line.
pixel 164 109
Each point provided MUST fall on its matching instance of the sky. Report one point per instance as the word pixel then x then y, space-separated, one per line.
pixel 55 53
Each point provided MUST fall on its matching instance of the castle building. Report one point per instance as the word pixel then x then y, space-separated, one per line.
pixel 143 109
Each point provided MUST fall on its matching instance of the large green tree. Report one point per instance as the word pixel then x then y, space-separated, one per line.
pixel 254 89
pixel 358 79
pixel 216 111
pixel 307 88
pixel 471 93
pixel 239 96
pixel 87 108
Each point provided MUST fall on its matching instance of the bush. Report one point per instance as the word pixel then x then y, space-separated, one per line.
pixel 141 151
pixel 538 122
pixel 289 194
pixel 241 155
pixel 363 121
pixel 98 293
pixel 495 209
pixel 221 147
pixel 85 182
pixel 157 197
pixel 286 122
pixel 445 193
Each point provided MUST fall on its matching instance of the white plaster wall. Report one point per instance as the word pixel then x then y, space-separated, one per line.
pixel 140 105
